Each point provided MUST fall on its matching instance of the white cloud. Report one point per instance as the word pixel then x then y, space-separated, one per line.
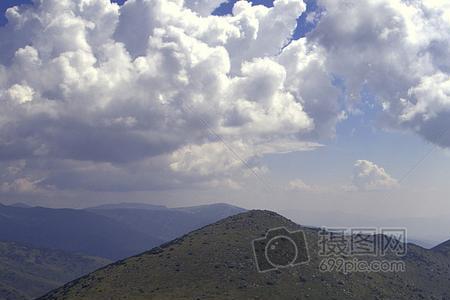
pixel 309 80
pixel 20 185
pixel 20 93
pixel 398 51
pixel 368 176
pixel 153 83
pixel 223 183
pixel 15 168
pixel 300 185
pixel 232 160
pixel 432 97
pixel 203 7
pixel 13 181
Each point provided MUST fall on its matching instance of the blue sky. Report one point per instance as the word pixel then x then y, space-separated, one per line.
pixel 165 156
pixel 357 137
pixel 302 28
pixel 9 3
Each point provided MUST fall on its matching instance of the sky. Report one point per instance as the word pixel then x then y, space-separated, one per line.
pixel 330 106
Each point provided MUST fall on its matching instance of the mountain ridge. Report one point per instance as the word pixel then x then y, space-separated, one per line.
pixel 170 223
pixel 76 231
pixel 216 262
pixel 113 233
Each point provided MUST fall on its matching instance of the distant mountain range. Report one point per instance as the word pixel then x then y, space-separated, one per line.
pixel 165 223
pixel 109 231
pixel 217 262
pixel 75 231
pixel 27 272
pixel 130 206
pixel 44 248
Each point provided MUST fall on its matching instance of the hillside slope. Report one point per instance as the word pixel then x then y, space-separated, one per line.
pixel 27 272
pixel 216 262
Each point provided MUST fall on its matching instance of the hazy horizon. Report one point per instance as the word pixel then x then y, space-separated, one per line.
pixel 320 106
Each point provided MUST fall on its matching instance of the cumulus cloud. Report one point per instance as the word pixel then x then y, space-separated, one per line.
pixel 396 50
pixel 218 157
pixel 368 176
pixel 14 180
pixel 300 185
pixel 21 186
pixel 203 7
pixel 147 95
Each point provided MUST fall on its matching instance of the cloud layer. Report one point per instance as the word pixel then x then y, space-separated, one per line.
pixel 159 93
pixel 154 89
pixel 396 50
pixel 368 176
